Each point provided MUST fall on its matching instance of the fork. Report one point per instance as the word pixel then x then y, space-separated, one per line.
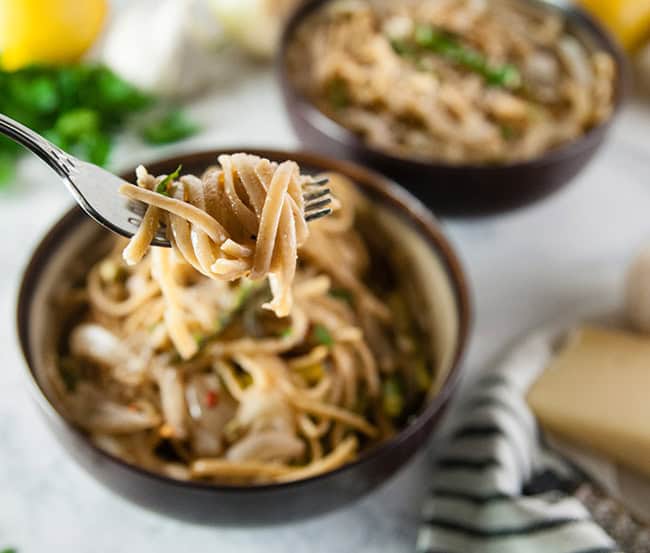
pixel 96 190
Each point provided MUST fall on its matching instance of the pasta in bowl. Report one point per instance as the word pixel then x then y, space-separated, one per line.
pixel 479 82
pixel 331 397
pixel 471 105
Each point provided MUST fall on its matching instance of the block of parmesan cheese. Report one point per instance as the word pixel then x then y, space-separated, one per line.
pixel 596 393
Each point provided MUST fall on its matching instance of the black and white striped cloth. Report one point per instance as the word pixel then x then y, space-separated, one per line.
pixel 495 487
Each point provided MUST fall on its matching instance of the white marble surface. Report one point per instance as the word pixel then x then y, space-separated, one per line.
pixel 526 268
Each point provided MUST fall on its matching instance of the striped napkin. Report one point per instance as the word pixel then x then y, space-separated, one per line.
pixel 497 488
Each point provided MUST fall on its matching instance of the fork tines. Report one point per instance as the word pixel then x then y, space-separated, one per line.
pixel 316 201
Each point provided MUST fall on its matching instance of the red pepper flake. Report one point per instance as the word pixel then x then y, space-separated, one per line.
pixel 132 407
pixel 211 398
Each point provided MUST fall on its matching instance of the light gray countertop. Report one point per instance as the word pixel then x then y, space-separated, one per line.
pixel 526 268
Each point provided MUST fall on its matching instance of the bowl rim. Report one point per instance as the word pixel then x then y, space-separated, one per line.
pixel 418 217
pixel 340 134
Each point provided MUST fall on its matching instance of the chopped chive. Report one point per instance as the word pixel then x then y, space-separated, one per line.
pixel 322 335
pixel 286 332
pixel 163 185
pixel 449 46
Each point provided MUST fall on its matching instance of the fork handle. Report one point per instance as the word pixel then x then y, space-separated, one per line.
pixel 56 158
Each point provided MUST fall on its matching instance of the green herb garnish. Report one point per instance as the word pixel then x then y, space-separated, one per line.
pixel 322 335
pixel 286 332
pixel 77 122
pixel 403 47
pixel 7 165
pixel 79 107
pixel 9 550
pixel 337 93
pixel 393 397
pixel 428 37
pixel 163 185
pixel 244 293
pixel 171 127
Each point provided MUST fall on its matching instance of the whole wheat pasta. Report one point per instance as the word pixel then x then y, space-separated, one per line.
pixel 480 82
pixel 242 219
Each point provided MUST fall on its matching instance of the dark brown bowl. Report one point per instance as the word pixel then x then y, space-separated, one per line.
pixel 458 189
pixel 435 263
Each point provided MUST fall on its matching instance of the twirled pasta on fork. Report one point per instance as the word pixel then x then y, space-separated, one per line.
pixel 243 218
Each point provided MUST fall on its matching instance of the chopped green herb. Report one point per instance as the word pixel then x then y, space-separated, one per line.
pixel 172 127
pixel 79 107
pixel 393 397
pixel 403 47
pixel 245 291
pixel 199 338
pixel 9 550
pixel 73 124
pixel 322 335
pixel 506 75
pixel 507 132
pixel 341 294
pixel 33 91
pixel 7 166
pixel 449 46
pixel 95 147
pixel 427 36
pixel 337 93
pixel 286 332
pixel 163 185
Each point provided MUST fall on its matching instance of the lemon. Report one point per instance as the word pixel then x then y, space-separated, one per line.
pixel 628 20
pixel 48 31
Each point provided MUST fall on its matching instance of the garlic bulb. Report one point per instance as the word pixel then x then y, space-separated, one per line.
pixel 166 47
pixel 637 292
pixel 255 25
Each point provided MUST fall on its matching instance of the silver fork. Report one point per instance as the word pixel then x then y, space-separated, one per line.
pixel 95 189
